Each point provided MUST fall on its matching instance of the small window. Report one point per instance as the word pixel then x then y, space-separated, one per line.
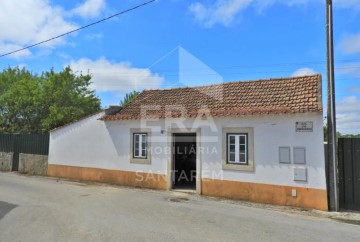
pixel 237 149
pixel 140 145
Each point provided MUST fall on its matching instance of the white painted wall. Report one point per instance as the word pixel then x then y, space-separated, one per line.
pixel 270 132
pixel 94 143
pixel 98 144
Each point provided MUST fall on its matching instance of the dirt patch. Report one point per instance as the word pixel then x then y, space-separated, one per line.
pixel 178 199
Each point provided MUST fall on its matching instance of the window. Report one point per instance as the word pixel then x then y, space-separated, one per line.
pixel 237 149
pixel 140 145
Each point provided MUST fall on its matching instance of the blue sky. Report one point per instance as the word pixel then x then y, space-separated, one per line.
pixel 230 39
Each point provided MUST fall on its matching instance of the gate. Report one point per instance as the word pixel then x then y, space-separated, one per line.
pixel 349 173
pixel 24 143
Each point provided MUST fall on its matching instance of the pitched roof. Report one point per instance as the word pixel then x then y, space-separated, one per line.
pixel 269 96
pixel 78 120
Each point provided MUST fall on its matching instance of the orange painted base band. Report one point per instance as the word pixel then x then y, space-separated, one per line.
pixel 254 192
pixel 264 193
pixel 126 178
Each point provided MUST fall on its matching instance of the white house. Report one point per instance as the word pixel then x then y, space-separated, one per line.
pixel 259 141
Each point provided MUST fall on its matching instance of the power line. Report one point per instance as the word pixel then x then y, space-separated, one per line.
pixel 197 71
pixel 270 65
pixel 78 29
pixel 265 65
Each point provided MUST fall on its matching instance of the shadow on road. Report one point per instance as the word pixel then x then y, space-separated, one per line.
pixel 5 208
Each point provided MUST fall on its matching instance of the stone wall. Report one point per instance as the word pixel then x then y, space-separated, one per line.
pixel 6 161
pixel 33 164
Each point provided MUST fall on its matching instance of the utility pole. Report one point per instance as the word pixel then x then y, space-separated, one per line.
pixel 331 114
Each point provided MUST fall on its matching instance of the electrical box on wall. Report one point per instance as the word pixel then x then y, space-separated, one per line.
pixel 299 155
pixel 284 155
pixel 300 174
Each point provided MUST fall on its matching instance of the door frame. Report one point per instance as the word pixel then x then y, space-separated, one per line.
pixel 170 164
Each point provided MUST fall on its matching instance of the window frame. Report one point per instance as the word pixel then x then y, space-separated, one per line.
pixel 226 133
pixel 237 149
pixel 140 159
pixel 141 148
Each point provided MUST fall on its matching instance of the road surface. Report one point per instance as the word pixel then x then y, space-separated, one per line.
pixel 45 209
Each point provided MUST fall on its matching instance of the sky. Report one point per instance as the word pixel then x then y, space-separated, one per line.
pixel 172 43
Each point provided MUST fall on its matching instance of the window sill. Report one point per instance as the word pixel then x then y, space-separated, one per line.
pixel 140 161
pixel 238 167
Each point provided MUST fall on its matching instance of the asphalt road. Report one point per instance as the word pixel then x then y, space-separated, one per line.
pixel 44 209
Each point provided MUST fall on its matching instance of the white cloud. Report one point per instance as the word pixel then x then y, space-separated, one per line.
pixel 354 4
pixel 224 12
pixel 350 44
pixel 6 48
pixel 261 4
pixel 304 72
pixel 27 22
pixel 348 123
pixel 353 89
pixel 90 8
pixel 348 115
pixel 116 77
pixel 351 69
pixel 349 104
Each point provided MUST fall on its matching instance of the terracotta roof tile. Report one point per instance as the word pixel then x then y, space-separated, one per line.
pixel 269 96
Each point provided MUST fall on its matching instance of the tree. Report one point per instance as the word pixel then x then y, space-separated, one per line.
pixel 19 100
pixel 350 136
pixel 32 104
pixel 339 135
pixel 129 97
